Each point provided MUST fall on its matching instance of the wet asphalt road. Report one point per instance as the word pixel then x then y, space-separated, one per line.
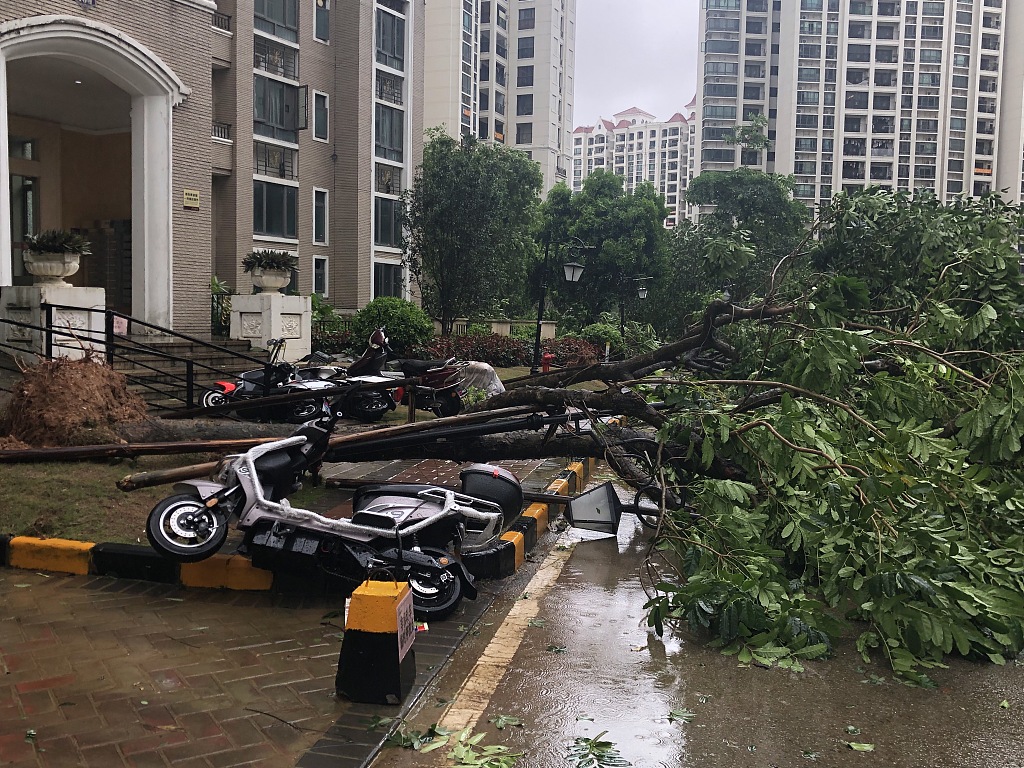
pixel 588 664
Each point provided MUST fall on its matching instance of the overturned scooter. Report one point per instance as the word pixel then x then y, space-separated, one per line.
pixel 407 533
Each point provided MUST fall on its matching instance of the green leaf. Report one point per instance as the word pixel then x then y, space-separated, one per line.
pixel 860 746
pixel 682 715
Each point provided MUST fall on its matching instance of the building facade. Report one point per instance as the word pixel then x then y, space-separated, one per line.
pixel 639 148
pixel 503 70
pixel 179 135
pixel 898 93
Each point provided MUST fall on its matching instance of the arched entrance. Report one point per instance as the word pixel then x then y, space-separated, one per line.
pixel 141 92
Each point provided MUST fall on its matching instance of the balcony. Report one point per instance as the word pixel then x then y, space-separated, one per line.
pixel 220 49
pixel 222 152
pixel 389 88
pixel 276 59
pixel 272 160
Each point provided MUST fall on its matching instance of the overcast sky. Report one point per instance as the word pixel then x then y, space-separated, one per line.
pixel 634 53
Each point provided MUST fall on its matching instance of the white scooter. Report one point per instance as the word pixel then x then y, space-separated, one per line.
pixel 413 533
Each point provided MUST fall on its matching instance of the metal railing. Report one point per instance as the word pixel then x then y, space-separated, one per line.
pixel 221 130
pixel 222 21
pixel 133 345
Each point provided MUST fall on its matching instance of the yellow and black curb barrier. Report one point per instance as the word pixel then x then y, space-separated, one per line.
pixel 133 561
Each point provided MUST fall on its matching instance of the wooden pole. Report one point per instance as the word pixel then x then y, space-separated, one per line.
pixel 161 476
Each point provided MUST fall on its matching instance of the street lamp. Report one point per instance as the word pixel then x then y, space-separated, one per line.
pixel 573 270
pixel 641 293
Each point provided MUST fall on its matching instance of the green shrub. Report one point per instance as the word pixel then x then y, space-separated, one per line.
pixel 600 334
pixel 478 329
pixel 407 325
pixel 499 351
pixel 266 258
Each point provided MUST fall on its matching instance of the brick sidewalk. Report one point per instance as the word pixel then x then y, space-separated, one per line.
pixel 98 671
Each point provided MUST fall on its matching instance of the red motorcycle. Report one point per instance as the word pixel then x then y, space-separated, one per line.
pixel 440 388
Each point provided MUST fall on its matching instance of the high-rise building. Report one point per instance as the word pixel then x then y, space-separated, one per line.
pixel 639 148
pixel 503 70
pixel 178 135
pixel 896 93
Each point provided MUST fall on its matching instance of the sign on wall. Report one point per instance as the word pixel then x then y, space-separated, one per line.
pixel 86 4
pixel 190 200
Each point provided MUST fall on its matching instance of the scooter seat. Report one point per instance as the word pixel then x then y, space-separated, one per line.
pixel 390 511
pixel 420 367
pixel 369 494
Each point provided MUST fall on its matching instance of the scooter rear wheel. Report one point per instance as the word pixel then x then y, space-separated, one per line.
pixel 435 598
pixel 448 405
pixel 212 397
pixel 184 529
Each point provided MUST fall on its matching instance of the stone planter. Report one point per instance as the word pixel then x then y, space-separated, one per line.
pixel 51 268
pixel 271 280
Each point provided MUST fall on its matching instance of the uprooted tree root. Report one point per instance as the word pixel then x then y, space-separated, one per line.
pixel 65 402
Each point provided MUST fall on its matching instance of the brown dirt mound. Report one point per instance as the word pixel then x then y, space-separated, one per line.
pixel 70 402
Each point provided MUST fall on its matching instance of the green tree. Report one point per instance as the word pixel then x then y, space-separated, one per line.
pixel 627 239
pixel 469 216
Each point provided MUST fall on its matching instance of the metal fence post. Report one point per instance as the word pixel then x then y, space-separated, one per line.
pixel 108 336
pixel 48 332
pixel 190 383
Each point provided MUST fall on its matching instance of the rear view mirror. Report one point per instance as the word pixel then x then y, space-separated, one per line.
pixel 599 509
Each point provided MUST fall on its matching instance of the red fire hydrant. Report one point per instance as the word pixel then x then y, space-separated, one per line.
pixel 545 362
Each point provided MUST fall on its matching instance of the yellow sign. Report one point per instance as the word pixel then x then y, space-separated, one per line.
pixel 191 200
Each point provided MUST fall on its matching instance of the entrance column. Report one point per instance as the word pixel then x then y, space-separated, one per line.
pixel 6 243
pixel 152 230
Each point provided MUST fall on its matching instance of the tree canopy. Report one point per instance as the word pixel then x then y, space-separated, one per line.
pixel 626 237
pixel 469 217
pixel 845 447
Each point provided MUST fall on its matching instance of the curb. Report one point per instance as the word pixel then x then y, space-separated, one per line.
pixel 235 572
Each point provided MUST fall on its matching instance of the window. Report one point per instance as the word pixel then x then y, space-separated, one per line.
pixel 524 76
pixel 485 100
pixel 753 49
pixel 720 112
pixel 808 74
pixel 320 216
pixel 320 275
pixel 387 222
pixel 322 21
pixel 931 56
pixel 391 40
pixel 806 121
pixel 719 155
pixel 278 17
pixel 524 104
pixel 858 52
pixel 856 100
pixel 320 116
pixel 525 47
pixel 527 18
pixel 806 144
pixel 485 12
pixel 725 68
pixel 389 135
pixel 278 109
pixel 727 90
pixel 388 280
pixel 722 46
pixel 524 133
pixel 499 102
pixel 275 210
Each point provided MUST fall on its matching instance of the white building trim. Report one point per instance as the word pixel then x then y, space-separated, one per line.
pixel 155 91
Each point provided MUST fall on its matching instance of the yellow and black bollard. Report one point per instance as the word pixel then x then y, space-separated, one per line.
pixel 377 664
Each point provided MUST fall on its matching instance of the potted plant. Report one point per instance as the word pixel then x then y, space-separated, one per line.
pixel 54 254
pixel 271 270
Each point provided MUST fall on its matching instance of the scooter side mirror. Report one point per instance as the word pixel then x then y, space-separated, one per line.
pixel 598 509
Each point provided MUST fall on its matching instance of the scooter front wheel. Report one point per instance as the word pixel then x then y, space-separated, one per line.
pixel 184 529
pixel 435 596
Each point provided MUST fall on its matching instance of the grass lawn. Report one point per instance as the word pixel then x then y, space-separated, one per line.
pixel 80 500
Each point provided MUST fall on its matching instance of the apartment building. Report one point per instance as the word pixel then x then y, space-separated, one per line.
pixel 636 146
pixel 898 93
pixel 179 135
pixel 504 69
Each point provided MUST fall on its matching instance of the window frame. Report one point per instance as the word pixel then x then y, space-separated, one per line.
pixel 318 191
pixel 327 117
pixel 326 292
pixel 322 6
pixel 290 197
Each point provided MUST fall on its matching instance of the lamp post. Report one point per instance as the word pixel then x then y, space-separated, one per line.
pixel 573 271
pixel 641 293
